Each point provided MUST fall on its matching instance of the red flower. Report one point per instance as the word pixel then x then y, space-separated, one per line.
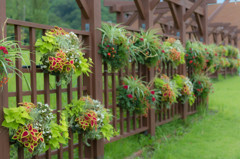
pixel 108 46
pixel 194 95
pixel 186 55
pixel 190 49
pixel 163 51
pixel 198 90
pixel 130 96
pixel 207 61
pixel 199 82
pixel 125 87
pixel 205 49
pixel 141 39
pixel 193 57
pixel 190 61
pixel 109 54
pixel 216 54
pixel 207 52
pixel 152 92
pixel 153 99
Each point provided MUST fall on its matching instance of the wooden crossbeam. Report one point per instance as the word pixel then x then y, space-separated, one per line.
pixel 199 22
pixel 157 18
pixel 159 11
pixel 154 3
pixel 191 10
pixel 82 4
pixel 216 11
pixel 131 19
pixel 174 14
pixel 140 8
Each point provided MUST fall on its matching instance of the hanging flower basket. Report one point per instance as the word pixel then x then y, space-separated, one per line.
pixel 62 55
pixel 32 127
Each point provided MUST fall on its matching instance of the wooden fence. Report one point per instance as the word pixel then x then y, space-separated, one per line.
pixel 100 85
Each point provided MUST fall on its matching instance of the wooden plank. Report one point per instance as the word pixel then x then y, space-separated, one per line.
pixel 199 22
pixel 174 14
pixel 191 10
pixel 114 102
pixel 84 7
pixel 33 65
pixel 106 95
pixel 140 8
pixel 154 4
pixel 131 19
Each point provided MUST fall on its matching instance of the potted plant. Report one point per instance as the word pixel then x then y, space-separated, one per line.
pixel 114 47
pixel 185 88
pixel 33 127
pixel 146 46
pixel 9 51
pixel 174 51
pixel 167 89
pixel 202 85
pixel 62 55
pixel 134 96
pixel 89 118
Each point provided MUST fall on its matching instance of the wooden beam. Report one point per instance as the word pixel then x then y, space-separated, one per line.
pixel 131 19
pixel 140 8
pixel 199 22
pixel 191 10
pixel 157 18
pixel 216 11
pixel 174 14
pixel 211 1
pixel 154 3
pixel 82 4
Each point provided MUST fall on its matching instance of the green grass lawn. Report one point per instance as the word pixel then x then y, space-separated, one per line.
pixel 211 135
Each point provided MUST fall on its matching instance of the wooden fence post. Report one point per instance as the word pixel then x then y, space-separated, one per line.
pixel 145 11
pixel 4 135
pixel 91 20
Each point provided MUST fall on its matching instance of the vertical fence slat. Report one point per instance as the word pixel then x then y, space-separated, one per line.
pixel 114 106
pixel 59 107
pixel 106 99
pixel 70 140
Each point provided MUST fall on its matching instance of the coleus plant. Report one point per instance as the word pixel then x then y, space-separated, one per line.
pixel 202 85
pixel 195 56
pixel 33 128
pixel 135 96
pixel 9 51
pixel 167 89
pixel 89 118
pixel 185 88
pixel 114 47
pixel 146 46
pixel 174 51
pixel 62 55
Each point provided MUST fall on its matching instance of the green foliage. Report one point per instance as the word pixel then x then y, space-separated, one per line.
pixel 61 55
pixel 185 87
pixel 14 117
pixel 114 47
pixel 167 89
pixel 174 52
pixel 89 118
pixel 9 52
pixel 59 133
pixel 146 46
pixel 134 96
pixel 202 85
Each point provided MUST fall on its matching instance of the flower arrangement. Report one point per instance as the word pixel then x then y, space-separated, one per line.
pixel 212 57
pixel 62 54
pixel 32 127
pixel 146 46
pixel 134 96
pixel 224 62
pixel 89 118
pixel 195 56
pixel 174 51
pixel 9 51
pixel 114 47
pixel 202 85
pixel 185 88
pixel 167 89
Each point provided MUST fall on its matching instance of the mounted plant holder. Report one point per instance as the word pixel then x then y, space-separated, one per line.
pixel 185 87
pixel 89 118
pixel 134 96
pixel 174 52
pixel 62 56
pixel 167 89
pixel 114 47
pixel 33 127
pixel 146 46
